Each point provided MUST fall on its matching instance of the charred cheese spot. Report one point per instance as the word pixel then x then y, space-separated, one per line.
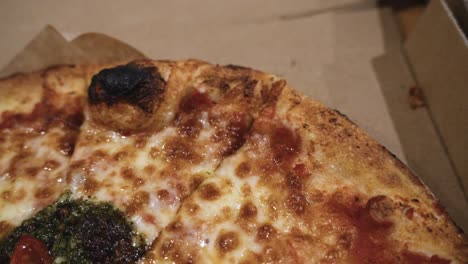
pixel 121 155
pixel 210 192
pixel 137 182
pixel 6 195
pixel 166 247
pixel 140 141
pixel 176 226
pixel 163 195
pixel 90 186
pixel 149 170
pixel 180 152
pixel 32 171
pixel 181 190
pixel 50 165
pixel 227 241
pixel 43 193
pixel 265 232
pixel 154 152
pixel 294 181
pixel 16 196
pixel 128 174
pixel 195 181
pixel 248 210
pixel 192 208
pixel 297 202
pixel 243 169
pixel 5 228
pixel 138 200
pixel 189 126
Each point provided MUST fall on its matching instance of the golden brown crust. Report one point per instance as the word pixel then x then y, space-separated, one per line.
pixel 20 93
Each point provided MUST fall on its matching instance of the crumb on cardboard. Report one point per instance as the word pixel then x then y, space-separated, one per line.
pixel 416 97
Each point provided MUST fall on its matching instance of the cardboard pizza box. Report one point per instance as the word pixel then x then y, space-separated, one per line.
pixel 438 55
pixel 345 53
pixel 434 137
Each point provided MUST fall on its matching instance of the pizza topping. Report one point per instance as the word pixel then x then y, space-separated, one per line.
pixel 30 250
pixel 76 231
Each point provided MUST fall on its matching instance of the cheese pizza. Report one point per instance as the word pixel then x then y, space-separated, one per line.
pixel 190 162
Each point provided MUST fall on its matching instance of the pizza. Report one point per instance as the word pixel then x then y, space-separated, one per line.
pixel 190 162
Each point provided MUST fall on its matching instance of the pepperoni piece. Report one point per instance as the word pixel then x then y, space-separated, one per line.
pixel 30 250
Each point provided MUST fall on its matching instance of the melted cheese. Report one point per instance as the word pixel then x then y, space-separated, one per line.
pixel 36 140
pixel 33 173
pixel 275 201
pixel 134 176
pixel 149 174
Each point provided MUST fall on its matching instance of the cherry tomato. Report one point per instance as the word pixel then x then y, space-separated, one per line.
pixel 30 250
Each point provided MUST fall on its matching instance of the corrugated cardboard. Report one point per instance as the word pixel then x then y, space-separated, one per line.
pixel 438 54
pixel 421 144
pixel 427 60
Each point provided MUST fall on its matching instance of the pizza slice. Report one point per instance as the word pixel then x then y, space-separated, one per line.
pixel 308 186
pixel 154 130
pixel 40 116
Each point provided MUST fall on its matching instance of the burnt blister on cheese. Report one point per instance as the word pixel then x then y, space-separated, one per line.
pixel 80 231
pixel 125 97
